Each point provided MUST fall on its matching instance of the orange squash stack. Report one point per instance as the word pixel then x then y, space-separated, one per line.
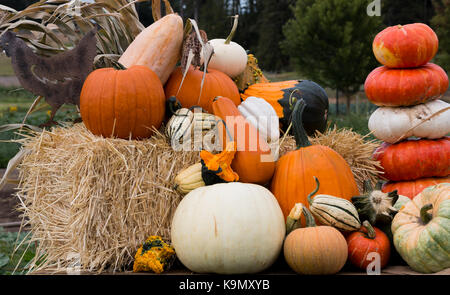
pixel 408 78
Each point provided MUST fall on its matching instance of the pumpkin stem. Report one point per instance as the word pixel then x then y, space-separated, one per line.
pixel 424 215
pixel 315 190
pixel 292 221
pixel 233 30
pixel 310 222
pixel 370 230
pixel 118 66
pixel 299 132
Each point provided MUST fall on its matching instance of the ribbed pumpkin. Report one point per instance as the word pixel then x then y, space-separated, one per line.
pixel 414 159
pixel 122 103
pixel 294 174
pixel 157 46
pixel 281 95
pixel 421 230
pixel 253 161
pixel 405 87
pixel 412 188
pixel 216 84
pixel 408 46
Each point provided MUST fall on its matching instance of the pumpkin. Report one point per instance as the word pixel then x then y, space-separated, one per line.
pixel 368 240
pixel 374 205
pixel 122 103
pixel 253 161
pixel 414 159
pixel 421 230
pixel 412 188
pixel 228 228
pixel 211 170
pixel 428 120
pixel 229 57
pixel 215 84
pixel 332 211
pixel 314 250
pixel 251 75
pixel 294 174
pixel 281 96
pixel 405 87
pixel 157 47
pixel 154 255
pixel 408 46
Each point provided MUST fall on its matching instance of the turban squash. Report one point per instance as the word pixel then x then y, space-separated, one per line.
pixel 281 95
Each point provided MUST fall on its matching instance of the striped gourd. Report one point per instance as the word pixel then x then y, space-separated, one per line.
pixel 333 211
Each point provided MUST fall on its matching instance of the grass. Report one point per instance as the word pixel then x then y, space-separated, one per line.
pixel 10 259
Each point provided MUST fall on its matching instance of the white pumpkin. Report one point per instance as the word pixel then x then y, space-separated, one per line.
pixel 392 124
pixel 228 228
pixel 229 57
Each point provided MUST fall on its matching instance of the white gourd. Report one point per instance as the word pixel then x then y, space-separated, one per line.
pixel 392 124
pixel 228 228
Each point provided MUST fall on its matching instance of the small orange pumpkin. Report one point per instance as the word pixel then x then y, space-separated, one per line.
pixel 122 103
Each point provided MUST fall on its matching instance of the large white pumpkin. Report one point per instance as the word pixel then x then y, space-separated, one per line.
pixel 228 228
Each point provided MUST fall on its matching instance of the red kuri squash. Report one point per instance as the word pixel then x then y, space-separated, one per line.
pixel 412 188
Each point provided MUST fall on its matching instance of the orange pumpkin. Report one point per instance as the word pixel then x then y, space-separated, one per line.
pixel 253 161
pixel 294 174
pixel 405 87
pixel 122 103
pixel 412 188
pixel 406 46
pixel 216 84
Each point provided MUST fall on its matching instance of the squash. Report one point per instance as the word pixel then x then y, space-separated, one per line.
pixel 412 188
pixel 405 87
pixel 294 173
pixel 408 46
pixel 429 120
pixel 253 161
pixel 314 250
pixel 374 205
pixel 229 57
pixel 211 170
pixel 414 159
pixel 228 228
pixel 421 230
pixel 157 47
pixel 251 75
pixel 368 240
pixel 154 255
pixel 190 94
pixel 122 103
pixel 332 211
pixel 281 95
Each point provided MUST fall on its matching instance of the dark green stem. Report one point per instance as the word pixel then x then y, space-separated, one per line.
pixel 297 124
pixel 370 231
pixel 310 222
pixel 424 215
pixel 313 192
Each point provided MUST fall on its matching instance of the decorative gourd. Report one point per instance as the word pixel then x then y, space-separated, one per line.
pixel 368 240
pixel 122 103
pixel 374 205
pixel 314 250
pixel 211 170
pixel 251 75
pixel 154 255
pixel 262 116
pixel 293 179
pixel 412 188
pixel 414 159
pixel 406 46
pixel 157 46
pixel 421 230
pixel 253 161
pixel 188 123
pixel 228 228
pixel 281 96
pixel 332 211
pixel 430 120
pixel 405 87
pixel 229 57
pixel 216 84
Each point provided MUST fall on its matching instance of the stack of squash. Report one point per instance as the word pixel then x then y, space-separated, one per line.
pixel 411 121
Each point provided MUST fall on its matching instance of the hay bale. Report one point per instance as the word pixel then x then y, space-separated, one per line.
pixel 96 199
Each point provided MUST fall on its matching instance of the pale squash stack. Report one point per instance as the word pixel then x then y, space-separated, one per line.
pixel 407 89
pixel 415 153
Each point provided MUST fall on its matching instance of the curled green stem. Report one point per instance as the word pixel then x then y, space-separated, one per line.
pixel 370 230
pixel 315 190
pixel 233 30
